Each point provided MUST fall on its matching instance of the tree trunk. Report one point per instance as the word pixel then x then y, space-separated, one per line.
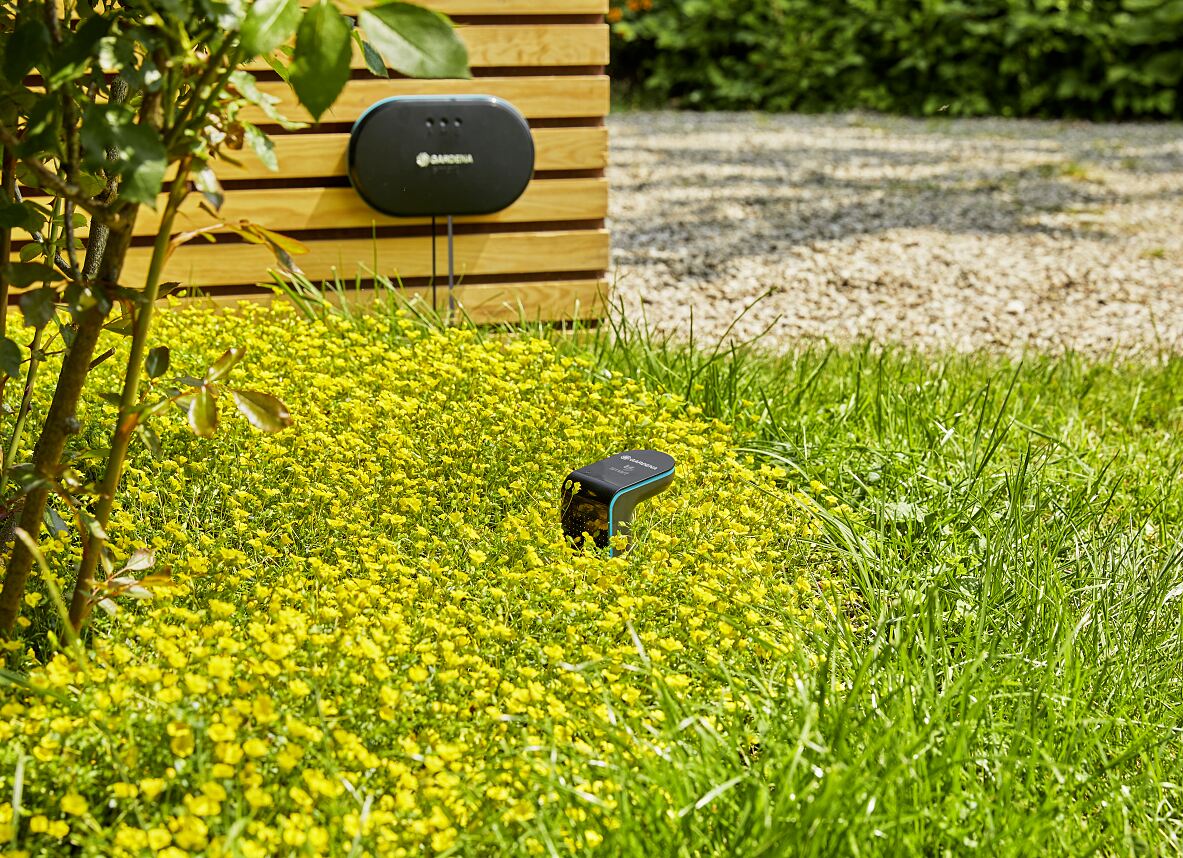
pixel 60 423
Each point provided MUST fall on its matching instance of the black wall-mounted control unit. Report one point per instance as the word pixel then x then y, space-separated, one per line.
pixel 414 156
pixel 608 493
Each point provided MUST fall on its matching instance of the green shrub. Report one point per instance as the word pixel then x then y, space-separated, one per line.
pixel 1071 58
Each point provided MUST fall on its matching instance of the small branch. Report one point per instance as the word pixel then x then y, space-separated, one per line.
pixel 61 263
pixel 8 189
pixel 70 125
pixel 18 430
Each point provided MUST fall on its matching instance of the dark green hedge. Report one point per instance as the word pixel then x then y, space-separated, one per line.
pixel 1099 59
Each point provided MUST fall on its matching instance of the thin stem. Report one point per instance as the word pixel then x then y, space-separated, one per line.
pixel 8 188
pixel 26 403
pixel 37 237
pixel 69 168
pixel 80 605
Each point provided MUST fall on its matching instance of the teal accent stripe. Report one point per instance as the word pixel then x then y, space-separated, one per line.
pixel 612 506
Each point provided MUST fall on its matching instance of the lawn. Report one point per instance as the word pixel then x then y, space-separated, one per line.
pixel 893 604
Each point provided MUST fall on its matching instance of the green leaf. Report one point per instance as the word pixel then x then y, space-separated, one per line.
pixel 95 527
pixel 157 361
pixel 38 307
pixel 262 410
pixel 140 159
pixel 11 358
pixel 30 252
pixel 21 215
pixel 247 87
pixel 209 187
pixel 28 46
pixel 320 66
pixel 222 366
pixel 150 439
pixel 268 24
pixel 22 274
pixel 374 62
pixel 203 413
pixel 415 41
pixel 141 560
pixel 262 146
pixel 78 51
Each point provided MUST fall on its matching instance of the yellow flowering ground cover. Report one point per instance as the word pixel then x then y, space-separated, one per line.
pixel 376 642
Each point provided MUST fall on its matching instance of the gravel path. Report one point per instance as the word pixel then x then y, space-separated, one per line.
pixel 958 234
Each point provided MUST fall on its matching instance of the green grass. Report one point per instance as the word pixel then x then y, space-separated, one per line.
pixel 1017 680
pixel 1010 679
pixel 1016 539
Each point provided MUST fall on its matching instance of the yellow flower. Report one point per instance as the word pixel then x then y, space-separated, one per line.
pixel 74 804
pixel 182 742
pixel 257 797
pixel 152 787
pixel 220 732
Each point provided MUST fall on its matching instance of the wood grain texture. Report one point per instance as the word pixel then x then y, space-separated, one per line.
pixel 519 7
pixel 522 45
pixel 200 264
pixel 543 245
pixel 547 97
pixel 512 7
pixel 313 156
pixel 297 209
pixel 501 302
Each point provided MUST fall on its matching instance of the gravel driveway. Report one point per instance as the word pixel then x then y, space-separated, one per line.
pixel 960 234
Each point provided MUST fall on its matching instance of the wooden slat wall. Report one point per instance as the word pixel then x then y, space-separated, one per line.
pixel 544 257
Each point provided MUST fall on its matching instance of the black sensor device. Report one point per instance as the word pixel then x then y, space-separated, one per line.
pixel 415 156
pixel 609 491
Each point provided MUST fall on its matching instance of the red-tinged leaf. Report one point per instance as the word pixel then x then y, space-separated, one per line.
pixel 141 559
pixel 262 410
pixel 203 413
pixel 285 242
pixel 222 366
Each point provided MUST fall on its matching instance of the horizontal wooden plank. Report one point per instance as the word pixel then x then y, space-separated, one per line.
pixel 522 45
pixel 551 300
pixel 519 7
pixel 536 45
pixel 200 264
pixel 291 209
pixel 510 7
pixel 549 97
pixel 311 156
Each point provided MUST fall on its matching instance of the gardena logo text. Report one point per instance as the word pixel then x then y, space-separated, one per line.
pixel 628 458
pixel 425 160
